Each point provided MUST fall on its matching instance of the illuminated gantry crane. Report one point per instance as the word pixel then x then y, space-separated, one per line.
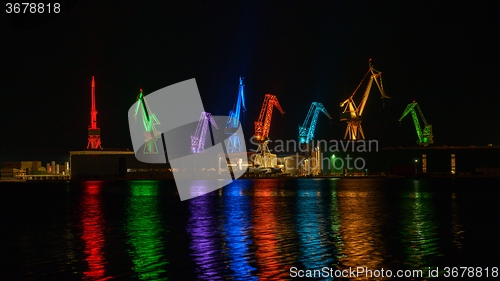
pixel 94 132
pixel 198 139
pixel 306 131
pixel 353 113
pixel 425 136
pixel 149 121
pixel 234 141
pixel 263 157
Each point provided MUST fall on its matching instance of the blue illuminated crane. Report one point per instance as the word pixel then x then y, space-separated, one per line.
pixel 306 131
pixel 234 141
pixel 198 139
pixel 149 121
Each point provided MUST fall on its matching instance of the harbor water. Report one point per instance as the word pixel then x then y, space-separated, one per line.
pixel 252 229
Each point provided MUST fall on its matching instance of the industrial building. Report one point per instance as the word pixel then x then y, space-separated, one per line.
pixel 420 160
pixel 112 164
pixel 23 170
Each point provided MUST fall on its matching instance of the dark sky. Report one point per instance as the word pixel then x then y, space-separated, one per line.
pixel 444 54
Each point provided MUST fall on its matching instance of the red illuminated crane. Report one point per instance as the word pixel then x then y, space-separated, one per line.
pixel 262 127
pixel 353 113
pixel 198 139
pixel 94 132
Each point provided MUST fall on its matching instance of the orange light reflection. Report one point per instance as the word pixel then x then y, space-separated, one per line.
pixel 265 232
pixel 360 220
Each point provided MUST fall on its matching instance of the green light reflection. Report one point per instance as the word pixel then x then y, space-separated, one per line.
pixel 419 229
pixel 336 234
pixel 145 231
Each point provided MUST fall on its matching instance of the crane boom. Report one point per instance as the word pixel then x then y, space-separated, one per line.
pixel 234 141
pixel 234 114
pixel 263 124
pixel 198 139
pixel 353 113
pixel 149 121
pixel 425 136
pixel 306 131
pixel 265 158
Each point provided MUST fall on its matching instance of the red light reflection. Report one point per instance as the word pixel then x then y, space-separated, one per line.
pixel 93 237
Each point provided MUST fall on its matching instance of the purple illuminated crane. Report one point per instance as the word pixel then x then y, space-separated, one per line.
pixel 198 139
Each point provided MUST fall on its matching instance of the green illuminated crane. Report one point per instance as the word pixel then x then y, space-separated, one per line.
pixel 149 121
pixel 425 136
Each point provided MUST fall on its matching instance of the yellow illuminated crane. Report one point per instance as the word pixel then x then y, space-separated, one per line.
pixel 353 113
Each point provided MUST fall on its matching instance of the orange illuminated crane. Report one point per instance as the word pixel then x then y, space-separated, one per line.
pixel 263 157
pixel 353 113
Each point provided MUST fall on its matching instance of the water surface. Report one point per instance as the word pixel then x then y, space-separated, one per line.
pixel 249 230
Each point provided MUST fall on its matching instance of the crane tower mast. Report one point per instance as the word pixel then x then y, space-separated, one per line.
pixel 94 133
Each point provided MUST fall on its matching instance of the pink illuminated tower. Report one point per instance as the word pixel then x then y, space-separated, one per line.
pixel 94 132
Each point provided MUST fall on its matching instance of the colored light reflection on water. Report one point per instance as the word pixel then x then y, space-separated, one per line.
pixel 93 228
pixel 456 224
pixel 145 230
pixel 249 230
pixel 334 220
pixel 419 231
pixel 361 218
pixel 204 231
pixel 315 248
pixel 237 226
pixel 265 232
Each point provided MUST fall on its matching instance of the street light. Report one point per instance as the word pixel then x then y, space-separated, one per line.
pixel 332 165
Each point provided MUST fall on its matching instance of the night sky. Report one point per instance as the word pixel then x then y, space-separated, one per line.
pixel 443 54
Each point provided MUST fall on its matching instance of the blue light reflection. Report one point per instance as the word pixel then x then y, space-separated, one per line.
pixel 237 227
